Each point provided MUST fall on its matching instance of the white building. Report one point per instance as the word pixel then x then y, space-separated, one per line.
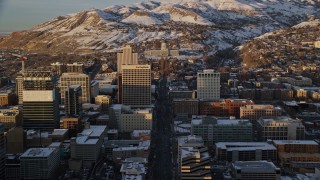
pixel 208 84
pixel 136 85
pixel 39 163
pixel 126 57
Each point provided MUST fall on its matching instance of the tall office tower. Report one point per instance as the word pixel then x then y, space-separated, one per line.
pixel 126 57
pixel 72 103
pixel 75 68
pixel 119 88
pixel 136 85
pixel 2 152
pixel 40 100
pixel 59 68
pixel 208 84
pixel 19 87
pixel 68 79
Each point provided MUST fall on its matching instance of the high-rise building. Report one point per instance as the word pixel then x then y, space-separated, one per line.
pixel 2 152
pixel 136 85
pixel 68 79
pixel 75 68
pixel 19 87
pixel 59 67
pixel 126 57
pixel 40 101
pixel 72 100
pixel 208 84
pixel 39 163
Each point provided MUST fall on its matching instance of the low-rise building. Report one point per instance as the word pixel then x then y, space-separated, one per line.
pixel 187 107
pixel 280 128
pixel 121 153
pixel 134 168
pixel 245 151
pixel 135 119
pixel 254 112
pixel 299 155
pixel 193 158
pixel 10 118
pixel 213 130
pixel 250 170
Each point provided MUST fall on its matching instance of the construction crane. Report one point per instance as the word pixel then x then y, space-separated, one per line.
pixel 22 58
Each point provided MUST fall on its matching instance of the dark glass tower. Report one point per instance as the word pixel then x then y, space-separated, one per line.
pixel 72 102
pixel 40 101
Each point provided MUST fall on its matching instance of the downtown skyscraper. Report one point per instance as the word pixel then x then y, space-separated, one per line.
pixel 136 85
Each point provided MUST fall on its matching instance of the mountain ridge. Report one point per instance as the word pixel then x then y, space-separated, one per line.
pixel 204 25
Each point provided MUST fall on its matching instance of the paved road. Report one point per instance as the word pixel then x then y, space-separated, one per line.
pixel 162 166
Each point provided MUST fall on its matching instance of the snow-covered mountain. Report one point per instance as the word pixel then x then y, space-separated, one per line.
pixel 205 25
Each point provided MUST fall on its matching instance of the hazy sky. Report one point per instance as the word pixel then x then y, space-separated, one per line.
pixel 18 15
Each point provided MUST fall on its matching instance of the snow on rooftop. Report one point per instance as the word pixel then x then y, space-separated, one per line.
pixel 38 152
pixel 245 146
pixel 94 131
pixel 306 142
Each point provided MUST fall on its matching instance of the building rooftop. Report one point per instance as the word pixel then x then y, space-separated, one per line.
pixel 94 131
pixel 38 152
pixel 260 106
pixel 305 142
pixel 137 133
pixel 192 151
pixel 86 140
pixel 245 146
pixel 184 140
pixel 255 166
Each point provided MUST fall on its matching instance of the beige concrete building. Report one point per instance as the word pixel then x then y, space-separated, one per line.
pixel 10 118
pixel 135 119
pixel 126 57
pixel 280 128
pixel 136 85
pixel 163 52
pixel 68 79
pixel 317 44
pixel 208 84
pixel 104 101
pixel 255 111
